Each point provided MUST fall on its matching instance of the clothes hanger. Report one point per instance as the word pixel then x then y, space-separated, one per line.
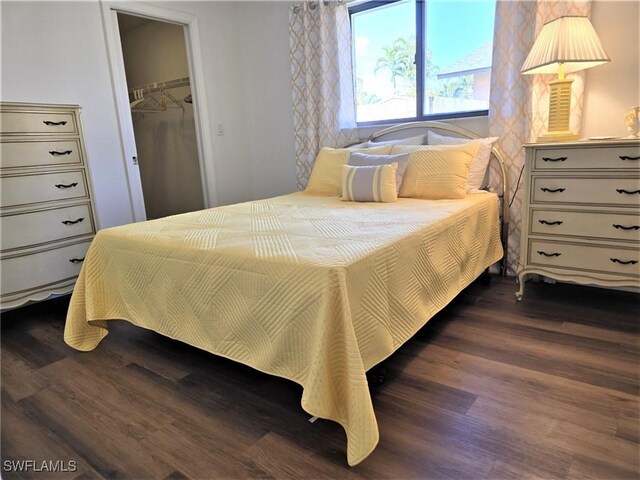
pixel 149 104
pixel 174 100
pixel 137 99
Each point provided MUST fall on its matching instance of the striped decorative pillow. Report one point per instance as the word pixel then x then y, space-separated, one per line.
pixel 371 183
pixel 357 159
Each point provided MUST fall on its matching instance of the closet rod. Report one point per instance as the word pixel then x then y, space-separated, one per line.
pixel 157 86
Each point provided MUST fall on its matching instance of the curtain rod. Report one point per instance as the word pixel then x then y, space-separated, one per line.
pixel 312 5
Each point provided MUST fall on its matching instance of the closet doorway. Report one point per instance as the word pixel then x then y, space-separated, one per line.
pixel 161 103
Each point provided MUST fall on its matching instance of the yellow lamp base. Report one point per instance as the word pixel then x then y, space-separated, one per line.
pixel 558 137
pixel 559 112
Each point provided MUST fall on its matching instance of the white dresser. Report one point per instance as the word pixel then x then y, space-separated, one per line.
pixel 47 218
pixel 580 219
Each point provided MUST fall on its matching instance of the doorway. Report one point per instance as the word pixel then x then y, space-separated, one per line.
pixel 161 103
pixel 142 13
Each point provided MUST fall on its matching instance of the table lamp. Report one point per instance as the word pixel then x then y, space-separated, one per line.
pixel 564 45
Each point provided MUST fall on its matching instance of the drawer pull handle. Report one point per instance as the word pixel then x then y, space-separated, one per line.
pixel 54 124
pixel 622 227
pixel 549 159
pixel 625 157
pixel 71 222
pixel 622 262
pixel 540 252
pixel 628 192
pixel 546 222
pixel 76 260
pixel 70 185
pixel 56 153
pixel 552 190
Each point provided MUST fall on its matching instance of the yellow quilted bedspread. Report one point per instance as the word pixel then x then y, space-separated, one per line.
pixel 308 288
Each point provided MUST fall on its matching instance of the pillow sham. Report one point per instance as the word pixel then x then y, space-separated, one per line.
pixel 326 174
pixel 436 172
pixel 357 159
pixel 478 168
pixel 369 183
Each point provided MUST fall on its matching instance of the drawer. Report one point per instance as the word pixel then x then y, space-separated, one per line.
pixel 591 258
pixel 602 157
pixel 614 226
pixel 40 153
pixel 36 188
pixel 21 273
pixel 35 228
pixel 18 123
pixel 623 191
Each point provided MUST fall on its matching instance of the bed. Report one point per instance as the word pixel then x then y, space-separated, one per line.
pixel 309 288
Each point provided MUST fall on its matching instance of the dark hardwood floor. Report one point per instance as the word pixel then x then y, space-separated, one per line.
pixel 490 388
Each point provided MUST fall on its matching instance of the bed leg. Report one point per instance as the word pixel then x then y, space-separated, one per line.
pixel 376 376
pixel 504 237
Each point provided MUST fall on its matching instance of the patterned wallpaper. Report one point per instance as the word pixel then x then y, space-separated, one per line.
pixel 518 107
pixel 323 105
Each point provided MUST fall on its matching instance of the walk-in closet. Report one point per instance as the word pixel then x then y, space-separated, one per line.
pixel 158 81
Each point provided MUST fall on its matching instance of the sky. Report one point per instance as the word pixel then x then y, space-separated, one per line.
pixel 454 29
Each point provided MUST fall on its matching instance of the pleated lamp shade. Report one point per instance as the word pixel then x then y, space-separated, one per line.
pixel 571 41
pixel 564 45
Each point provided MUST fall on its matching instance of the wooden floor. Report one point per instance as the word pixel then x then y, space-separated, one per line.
pixel 490 388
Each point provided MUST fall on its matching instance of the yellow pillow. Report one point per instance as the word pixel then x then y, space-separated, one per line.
pixel 369 183
pixel 436 172
pixel 326 176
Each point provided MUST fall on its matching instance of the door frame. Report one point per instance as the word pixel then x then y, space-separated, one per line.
pixel 110 10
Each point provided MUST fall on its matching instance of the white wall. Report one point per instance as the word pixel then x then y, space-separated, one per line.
pixel 266 68
pixel 54 52
pixel 612 89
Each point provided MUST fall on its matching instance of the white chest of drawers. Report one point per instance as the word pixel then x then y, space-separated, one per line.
pixel 581 209
pixel 47 219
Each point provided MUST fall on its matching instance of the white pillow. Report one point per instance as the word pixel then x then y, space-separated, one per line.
pixel 478 165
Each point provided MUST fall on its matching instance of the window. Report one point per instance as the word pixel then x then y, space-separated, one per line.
pixel 415 59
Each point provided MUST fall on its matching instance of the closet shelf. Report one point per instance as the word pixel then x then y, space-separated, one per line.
pixel 157 86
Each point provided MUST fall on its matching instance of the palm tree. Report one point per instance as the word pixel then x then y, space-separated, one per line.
pixel 430 68
pixel 460 87
pixel 406 48
pixel 393 60
pixel 400 59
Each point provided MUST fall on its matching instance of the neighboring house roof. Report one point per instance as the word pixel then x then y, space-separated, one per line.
pixel 476 62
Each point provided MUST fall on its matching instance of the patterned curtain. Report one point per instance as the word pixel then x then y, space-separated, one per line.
pixel 323 100
pixel 518 108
